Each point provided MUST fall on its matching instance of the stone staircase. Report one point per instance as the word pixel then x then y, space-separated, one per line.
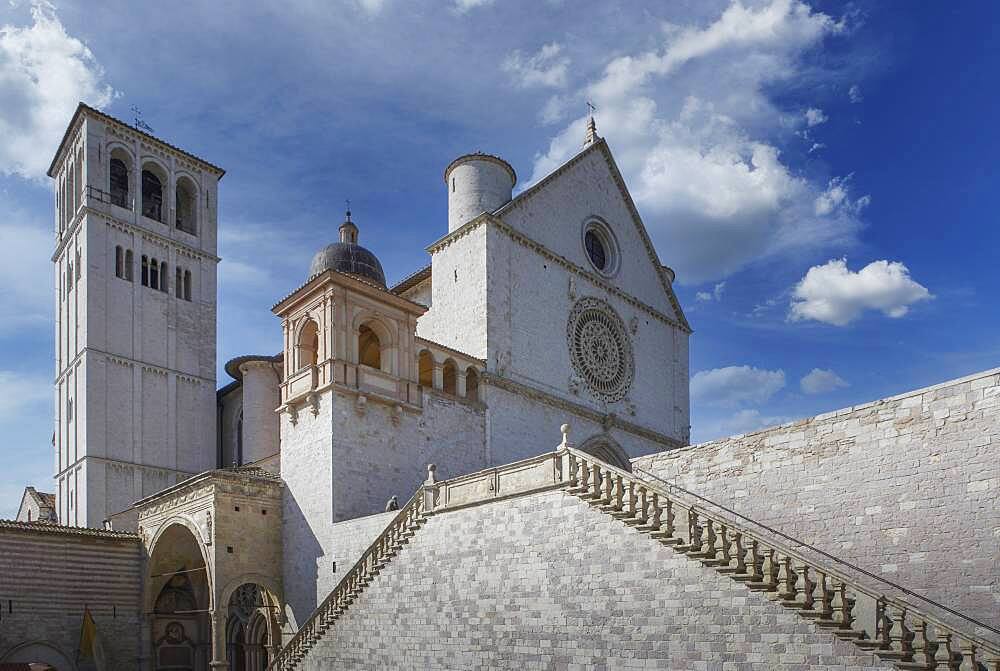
pixel 876 617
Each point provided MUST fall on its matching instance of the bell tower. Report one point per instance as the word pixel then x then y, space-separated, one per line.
pixel 135 305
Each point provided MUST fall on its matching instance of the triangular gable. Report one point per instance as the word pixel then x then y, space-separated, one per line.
pixel 601 146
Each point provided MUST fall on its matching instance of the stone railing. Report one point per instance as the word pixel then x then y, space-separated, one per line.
pixel 880 618
pixel 852 605
pixel 378 554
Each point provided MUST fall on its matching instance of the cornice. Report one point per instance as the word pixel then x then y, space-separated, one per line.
pixel 608 420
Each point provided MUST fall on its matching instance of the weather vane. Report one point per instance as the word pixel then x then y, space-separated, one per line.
pixel 139 123
pixel 590 106
pixel 348 203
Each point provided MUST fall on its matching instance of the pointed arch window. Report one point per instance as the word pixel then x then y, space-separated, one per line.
pixel 144 273
pixel 163 276
pixel 154 274
pixel 129 263
pixel 119 262
pixel 187 285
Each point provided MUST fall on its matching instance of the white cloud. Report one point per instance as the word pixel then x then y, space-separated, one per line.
pixel 833 294
pixel 815 117
pixel 554 110
pixel 714 295
pixel 854 94
pixel 836 198
pixel 545 69
pixel 22 392
pixel 820 381
pixel 709 180
pixel 466 5
pixel 736 385
pixel 43 74
pixel 747 420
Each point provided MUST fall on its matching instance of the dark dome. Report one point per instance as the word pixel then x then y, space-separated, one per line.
pixel 348 257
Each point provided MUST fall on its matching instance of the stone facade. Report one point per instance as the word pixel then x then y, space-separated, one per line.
pixel 563 587
pixel 905 487
pixel 49 575
pixel 135 340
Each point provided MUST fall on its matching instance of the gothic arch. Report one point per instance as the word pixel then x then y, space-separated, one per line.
pixel 41 652
pixel 425 368
pixel 605 448
pixel 449 376
pixel 154 585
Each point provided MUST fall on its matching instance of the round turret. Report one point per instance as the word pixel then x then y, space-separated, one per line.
pixel 347 256
pixel 477 183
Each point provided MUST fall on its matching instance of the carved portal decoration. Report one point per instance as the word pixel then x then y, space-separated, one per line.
pixel 600 349
pixel 245 600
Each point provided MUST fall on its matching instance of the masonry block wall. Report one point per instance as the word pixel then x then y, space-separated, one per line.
pixel 48 574
pixel 906 487
pixel 562 587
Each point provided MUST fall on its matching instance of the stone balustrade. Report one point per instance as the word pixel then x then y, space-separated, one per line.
pixel 876 616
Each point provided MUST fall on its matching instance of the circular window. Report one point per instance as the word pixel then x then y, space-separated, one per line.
pixel 601 248
pixel 600 349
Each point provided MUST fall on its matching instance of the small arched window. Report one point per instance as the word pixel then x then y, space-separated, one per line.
pixel 163 276
pixel 472 384
pixel 185 205
pixel 144 273
pixel 178 282
pixel 152 196
pixel 154 274
pixel 187 285
pixel 450 381
pixel 119 182
pixel 119 262
pixel 307 349
pixel 369 348
pixel 129 262
pixel 425 364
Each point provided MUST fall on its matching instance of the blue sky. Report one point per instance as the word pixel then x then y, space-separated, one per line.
pixel 819 174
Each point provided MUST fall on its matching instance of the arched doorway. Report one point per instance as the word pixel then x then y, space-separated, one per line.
pixel 247 636
pixel 607 450
pixel 181 627
pixel 39 656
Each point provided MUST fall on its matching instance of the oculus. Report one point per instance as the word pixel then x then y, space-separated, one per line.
pixel 600 349
pixel 601 247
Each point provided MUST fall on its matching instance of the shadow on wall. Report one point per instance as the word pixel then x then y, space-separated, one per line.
pixel 302 555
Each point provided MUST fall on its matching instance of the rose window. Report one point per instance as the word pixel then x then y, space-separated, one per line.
pixel 600 349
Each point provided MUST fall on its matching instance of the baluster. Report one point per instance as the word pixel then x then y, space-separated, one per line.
pixel 641 505
pixel 618 500
pixel 944 653
pixel 754 562
pixel 694 531
pixel 922 648
pixel 669 529
pixel 969 652
pixel 770 570
pixel 805 587
pixel 584 476
pixel 739 554
pixel 843 606
pixel 824 606
pixel 786 579
pixel 883 625
pixel 609 488
pixel 595 482
pixel 654 522
pixel 628 507
pixel 708 540
pixel 573 479
pixel 900 638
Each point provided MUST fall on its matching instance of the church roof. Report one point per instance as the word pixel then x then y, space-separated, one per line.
pixel 54 528
pixel 350 258
pixel 411 280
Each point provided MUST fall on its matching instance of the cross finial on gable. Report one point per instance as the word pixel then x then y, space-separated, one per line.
pixel 591 136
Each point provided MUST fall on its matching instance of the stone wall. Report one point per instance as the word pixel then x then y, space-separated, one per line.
pixel 905 487
pixel 48 574
pixel 563 586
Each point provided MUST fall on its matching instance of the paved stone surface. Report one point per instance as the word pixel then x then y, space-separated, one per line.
pixel 545 582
